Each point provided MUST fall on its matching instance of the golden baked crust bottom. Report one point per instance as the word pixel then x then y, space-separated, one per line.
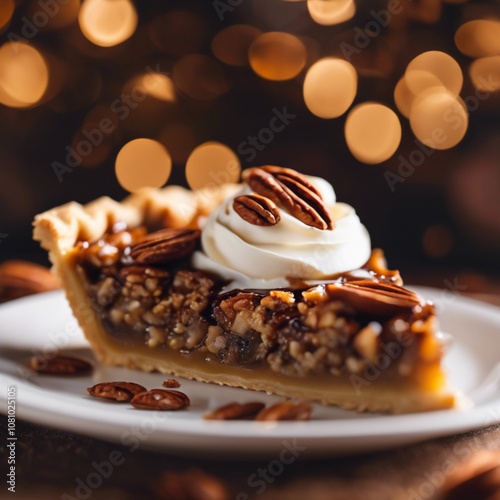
pixel 60 229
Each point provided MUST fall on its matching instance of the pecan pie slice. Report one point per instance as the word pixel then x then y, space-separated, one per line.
pixel 355 338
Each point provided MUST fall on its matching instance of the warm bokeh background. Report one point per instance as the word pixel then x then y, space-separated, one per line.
pixel 179 73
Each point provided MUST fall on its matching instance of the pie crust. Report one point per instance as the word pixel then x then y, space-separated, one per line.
pixel 61 229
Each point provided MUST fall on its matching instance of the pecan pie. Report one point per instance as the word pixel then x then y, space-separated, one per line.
pixel 268 286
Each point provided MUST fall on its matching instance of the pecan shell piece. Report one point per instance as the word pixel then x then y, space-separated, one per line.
pixel 60 365
pixel 160 399
pixel 256 209
pixel 119 391
pixel 293 191
pixel 164 245
pixel 171 383
pixel 375 298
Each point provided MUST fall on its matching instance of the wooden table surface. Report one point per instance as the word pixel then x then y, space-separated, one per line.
pixel 50 462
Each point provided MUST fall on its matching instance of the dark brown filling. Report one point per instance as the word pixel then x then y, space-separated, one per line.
pixel 337 328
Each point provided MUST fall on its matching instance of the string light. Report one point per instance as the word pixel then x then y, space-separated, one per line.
pixel 485 74
pixel 431 69
pixel 142 163
pixel 107 22
pixel 277 56
pixel 439 118
pixel 372 132
pixel 479 38
pixel 330 87
pixel 329 12
pixel 211 165
pixel 24 75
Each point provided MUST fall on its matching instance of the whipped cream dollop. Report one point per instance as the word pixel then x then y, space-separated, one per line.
pixel 252 256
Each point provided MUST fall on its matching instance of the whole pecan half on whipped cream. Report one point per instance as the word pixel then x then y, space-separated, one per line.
pixel 293 191
pixel 257 210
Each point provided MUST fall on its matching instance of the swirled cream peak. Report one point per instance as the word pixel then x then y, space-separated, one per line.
pixel 253 256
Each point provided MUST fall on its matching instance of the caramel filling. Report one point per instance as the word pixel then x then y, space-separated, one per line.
pixel 359 327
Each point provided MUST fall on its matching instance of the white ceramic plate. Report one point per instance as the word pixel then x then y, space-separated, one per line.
pixel 44 322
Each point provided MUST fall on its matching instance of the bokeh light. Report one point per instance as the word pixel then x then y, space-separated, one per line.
pixel 6 10
pixel 107 22
pixel 432 69
pixel 24 75
pixel 485 73
pixel 479 38
pixel 437 241
pixel 231 44
pixel 372 132
pixel 330 87
pixel 211 165
pixel 156 85
pixel 142 163
pixel 439 119
pixel 328 12
pixel 277 56
pixel 403 97
pixel 200 77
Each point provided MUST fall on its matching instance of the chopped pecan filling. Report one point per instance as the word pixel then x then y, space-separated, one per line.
pixel 147 295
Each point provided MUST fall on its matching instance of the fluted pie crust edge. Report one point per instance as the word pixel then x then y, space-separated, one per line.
pixel 58 231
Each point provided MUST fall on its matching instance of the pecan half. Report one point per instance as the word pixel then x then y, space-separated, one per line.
pixel 293 191
pixel 257 210
pixel 171 383
pixel 160 399
pixel 375 298
pixel 164 245
pixel 60 365
pixel 19 278
pixel 119 391
pixel 288 410
pixel 233 411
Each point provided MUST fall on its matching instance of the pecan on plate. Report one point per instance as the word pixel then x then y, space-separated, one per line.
pixel 160 399
pixel 257 210
pixel 171 383
pixel 60 365
pixel 119 391
pixel 233 411
pixel 164 245
pixel 288 410
pixel 293 191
